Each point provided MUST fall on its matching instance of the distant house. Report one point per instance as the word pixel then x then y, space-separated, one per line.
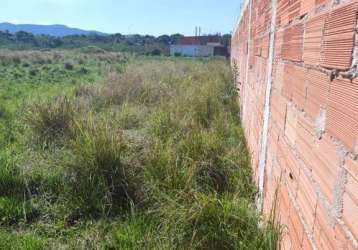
pixel 199 46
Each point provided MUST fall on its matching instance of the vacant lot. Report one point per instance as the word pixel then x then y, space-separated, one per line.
pixel 103 151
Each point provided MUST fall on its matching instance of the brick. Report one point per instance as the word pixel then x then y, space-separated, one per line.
pixel 325 235
pixel 269 193
pixel 294 86
pixel 272 145
pixel 307 200
pixel 299 89
pixel 305 141
pixel 319 2
pixel 286 242
pixel 350 205
pixel 288 163
pixel 296 229
pixel 317 92
pixel 265 46
pixel 307 6
pixel 342 116
pixel 313 39
pixel 278 77
pixel 291 124
pixel 277 171
pixel 294 9
pixel 326 166
pixel 278 44
pixel 321 158
pixel 257 43
pixel 304 154
pixel 293 43
pixel 306 123
pixel 306 244
pixel 284 205
pixel 339 37
pixel 287 86
pixel 278 106
pixel 282 12
pixel 340 234
pixel 352 167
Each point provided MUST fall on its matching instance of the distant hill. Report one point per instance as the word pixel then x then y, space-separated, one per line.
pixel 52 30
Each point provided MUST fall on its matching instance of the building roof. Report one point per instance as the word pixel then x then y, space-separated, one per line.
pixel 198 40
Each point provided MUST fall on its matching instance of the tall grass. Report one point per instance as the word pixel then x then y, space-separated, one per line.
pixel 157 150
pixel 105 173
pixel 50 120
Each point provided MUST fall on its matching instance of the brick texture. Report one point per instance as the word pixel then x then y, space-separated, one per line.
pixel 313 39
pixel 338 37
pixel 312 153
pixel 342 120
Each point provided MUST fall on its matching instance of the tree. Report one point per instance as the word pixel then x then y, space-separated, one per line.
pixel 226 40
pixel 174 39
pixel 165 39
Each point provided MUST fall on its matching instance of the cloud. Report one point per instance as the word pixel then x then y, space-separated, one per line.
pixel 23 21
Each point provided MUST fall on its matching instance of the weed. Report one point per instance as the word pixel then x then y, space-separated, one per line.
pixel 15 210
pixel 50 121
pixel 13 241
pixel 151 156
pixel 103 176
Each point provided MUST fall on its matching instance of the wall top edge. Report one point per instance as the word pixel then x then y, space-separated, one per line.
pixel 243 8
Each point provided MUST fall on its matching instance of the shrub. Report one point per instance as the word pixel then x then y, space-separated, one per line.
pixel 155 151
pixel 130 116
pixel 83 70
pixel 156 52
pixel 11 183
pixel 50 120
pixel 33 72
pixel 16 60
pixel 25 64
pixel 92 49
pixel 69 66
pixel 197 221
pixel 136 232
pixel 144 84
pixel 105 175
pixel 13 210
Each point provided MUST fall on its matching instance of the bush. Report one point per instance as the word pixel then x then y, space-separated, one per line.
pixel 33 72
pixel 69 66
pixel 134 86
pixel 197 221
pixel 11 182
pixel 156 52
pixel 92 49
pixel 136 232
pixel 50 121
pixel 155 151
pixel 105 174
pixel 14 211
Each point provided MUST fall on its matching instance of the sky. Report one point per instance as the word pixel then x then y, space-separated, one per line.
pixel 154 17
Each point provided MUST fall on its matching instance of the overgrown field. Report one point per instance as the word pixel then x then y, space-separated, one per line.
pixel 100 151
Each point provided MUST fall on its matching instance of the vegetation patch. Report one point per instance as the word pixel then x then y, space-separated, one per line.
pixel 150 155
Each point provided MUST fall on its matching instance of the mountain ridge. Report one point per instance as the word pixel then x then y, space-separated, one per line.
pixel 58 30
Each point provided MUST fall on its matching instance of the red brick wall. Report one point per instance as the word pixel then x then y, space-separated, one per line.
pixel 312 153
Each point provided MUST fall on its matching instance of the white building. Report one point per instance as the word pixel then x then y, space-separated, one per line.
pixel 199 46
pixel 192 50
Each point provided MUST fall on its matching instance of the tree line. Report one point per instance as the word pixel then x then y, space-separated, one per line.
pixel 141 44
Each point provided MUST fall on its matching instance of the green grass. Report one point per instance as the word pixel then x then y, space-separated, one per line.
pixel 26 241
pixel 150 155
